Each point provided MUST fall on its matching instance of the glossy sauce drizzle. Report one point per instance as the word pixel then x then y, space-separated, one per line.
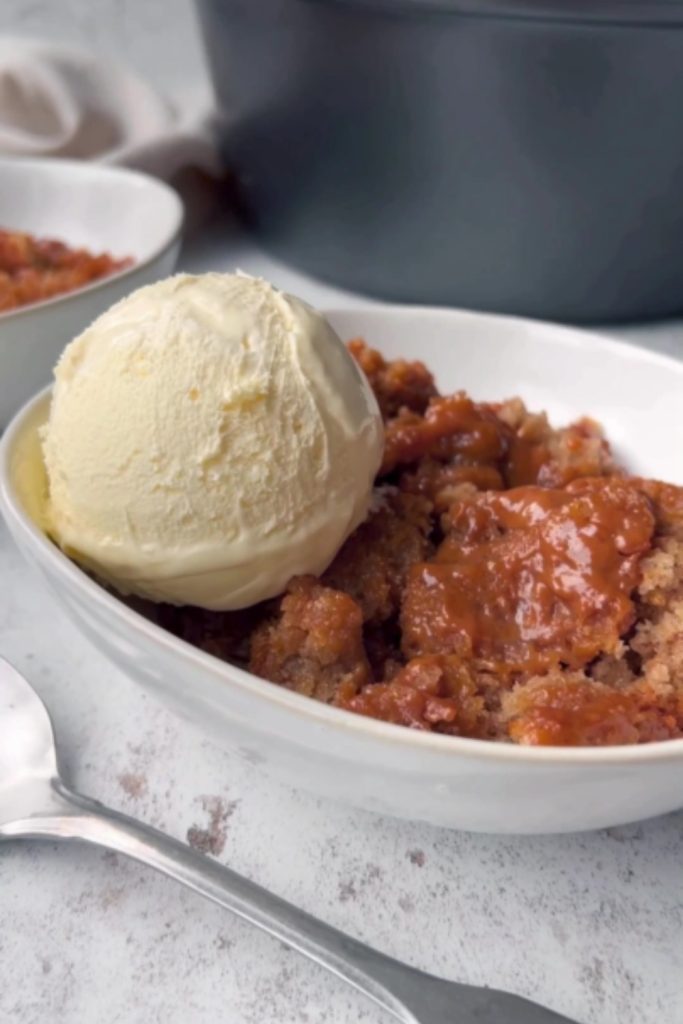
pixel 531 578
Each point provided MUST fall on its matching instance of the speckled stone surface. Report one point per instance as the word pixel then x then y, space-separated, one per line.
pixel 590 924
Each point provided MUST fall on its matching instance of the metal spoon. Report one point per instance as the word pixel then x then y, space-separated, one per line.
pixel 36 804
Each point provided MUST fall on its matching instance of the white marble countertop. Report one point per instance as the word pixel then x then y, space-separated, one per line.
pixel 590 924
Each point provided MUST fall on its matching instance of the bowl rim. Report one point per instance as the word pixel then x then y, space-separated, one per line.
pixel 337 719
pixel 169 238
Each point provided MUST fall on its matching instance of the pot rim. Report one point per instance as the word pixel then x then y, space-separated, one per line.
pixel 616 13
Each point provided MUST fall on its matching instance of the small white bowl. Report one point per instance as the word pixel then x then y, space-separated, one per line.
pixel 105 209
pixel 445 780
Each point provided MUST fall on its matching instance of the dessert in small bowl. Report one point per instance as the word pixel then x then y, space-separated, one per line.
pixel 487 640
pixel 76 237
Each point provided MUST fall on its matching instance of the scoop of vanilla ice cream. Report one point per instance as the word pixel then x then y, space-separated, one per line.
pixel 209 438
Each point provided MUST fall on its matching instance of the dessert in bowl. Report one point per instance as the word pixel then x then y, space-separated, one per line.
pixel 510 589
pixel 115 229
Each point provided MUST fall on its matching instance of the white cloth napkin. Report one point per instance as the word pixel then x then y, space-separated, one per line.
pixel 62 101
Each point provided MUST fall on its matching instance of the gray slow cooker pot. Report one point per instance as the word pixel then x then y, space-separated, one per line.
pixel 525 156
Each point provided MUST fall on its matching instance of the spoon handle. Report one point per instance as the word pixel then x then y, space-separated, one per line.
pixel 80 818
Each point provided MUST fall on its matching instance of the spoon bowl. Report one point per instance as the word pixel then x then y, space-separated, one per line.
pixel 27 744
pixel 29 772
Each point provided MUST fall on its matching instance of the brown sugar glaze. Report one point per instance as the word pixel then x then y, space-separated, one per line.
pixel 527 579
pixel 511 583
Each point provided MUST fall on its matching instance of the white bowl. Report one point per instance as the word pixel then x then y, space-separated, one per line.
pixel 458 783
pixel 105 209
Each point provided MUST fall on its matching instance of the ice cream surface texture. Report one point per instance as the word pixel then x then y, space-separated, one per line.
pixel 209 438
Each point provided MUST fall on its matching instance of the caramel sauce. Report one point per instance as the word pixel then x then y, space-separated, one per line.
pixel 472 439
pixel 451 427
pixel 531 578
